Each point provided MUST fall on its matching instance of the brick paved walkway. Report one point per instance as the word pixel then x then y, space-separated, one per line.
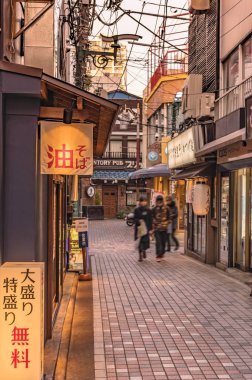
pixel 178 319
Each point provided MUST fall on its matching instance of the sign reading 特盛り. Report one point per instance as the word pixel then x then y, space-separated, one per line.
pixel 21 321
pixel 66 149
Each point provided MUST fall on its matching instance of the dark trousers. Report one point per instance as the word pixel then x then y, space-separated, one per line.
pixel 160 237
pixel 171 236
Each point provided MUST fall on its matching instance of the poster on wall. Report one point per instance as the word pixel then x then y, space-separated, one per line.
pixel 248 107
pixel 66 149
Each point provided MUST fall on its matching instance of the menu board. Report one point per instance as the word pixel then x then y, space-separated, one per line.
pixel 75 252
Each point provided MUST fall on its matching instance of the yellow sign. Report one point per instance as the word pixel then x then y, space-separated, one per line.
pixel 21 321
pixel 66 149
pixel 164 150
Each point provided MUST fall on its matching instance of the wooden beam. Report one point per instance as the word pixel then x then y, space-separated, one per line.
pixel 43 91
pixel 79 103
pixel 57 113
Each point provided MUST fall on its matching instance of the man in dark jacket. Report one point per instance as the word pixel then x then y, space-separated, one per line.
pixel 143 224
pixel 161 220
pixel 174 217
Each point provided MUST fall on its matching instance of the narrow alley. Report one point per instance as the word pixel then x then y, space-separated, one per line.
pixel 178 319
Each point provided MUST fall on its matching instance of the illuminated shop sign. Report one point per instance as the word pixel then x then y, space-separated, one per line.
pixel 66 149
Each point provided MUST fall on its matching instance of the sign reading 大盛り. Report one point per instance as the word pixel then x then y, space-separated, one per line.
pixel 21 321
pixel 66 149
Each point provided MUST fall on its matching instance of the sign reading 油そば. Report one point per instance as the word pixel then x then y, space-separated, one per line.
pixel 21 321
pixel 66 149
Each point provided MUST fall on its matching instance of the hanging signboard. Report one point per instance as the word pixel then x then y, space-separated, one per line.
pixel 83 239
pixel 81 225
pixel 21 321
pixel 181 150
pixel 66 149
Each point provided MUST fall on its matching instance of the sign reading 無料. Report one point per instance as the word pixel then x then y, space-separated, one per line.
pixel 21 321
pixel 66 149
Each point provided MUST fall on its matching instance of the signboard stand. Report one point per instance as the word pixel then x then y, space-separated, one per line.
pixel 81 226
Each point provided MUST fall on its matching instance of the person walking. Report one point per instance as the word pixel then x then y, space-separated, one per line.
pixel 171 204
pixel 161 220
pixel 143 226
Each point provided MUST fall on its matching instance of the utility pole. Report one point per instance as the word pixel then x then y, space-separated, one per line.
pixel 138 137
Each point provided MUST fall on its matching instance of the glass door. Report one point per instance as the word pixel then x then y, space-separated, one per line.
pixel 241 217
pixel 224 215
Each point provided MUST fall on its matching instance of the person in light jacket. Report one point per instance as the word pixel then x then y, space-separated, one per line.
pixel 143 226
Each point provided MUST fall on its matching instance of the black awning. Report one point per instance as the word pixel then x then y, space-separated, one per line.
pixel 203 170
pixel 159 170
pixel 236 164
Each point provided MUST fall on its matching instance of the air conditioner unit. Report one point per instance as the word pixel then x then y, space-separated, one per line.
pixel 199 6
pixel 205 106
pixel 192 88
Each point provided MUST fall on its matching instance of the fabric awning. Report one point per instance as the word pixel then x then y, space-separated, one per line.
pixel 160 170
pixel 203 170
pixel 119 175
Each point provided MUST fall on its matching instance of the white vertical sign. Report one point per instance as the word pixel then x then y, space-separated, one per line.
pixel 21 321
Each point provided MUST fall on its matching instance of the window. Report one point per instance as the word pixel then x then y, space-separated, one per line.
pixel 131 198
pixel 231 70
pixel 131 146
pixel 116 146
pixel 247 58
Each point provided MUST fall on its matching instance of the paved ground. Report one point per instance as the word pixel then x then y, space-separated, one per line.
pixel 178 319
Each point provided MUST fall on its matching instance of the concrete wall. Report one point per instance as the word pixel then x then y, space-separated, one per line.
pixel 23 214
pixel 235 23
pixel 39 39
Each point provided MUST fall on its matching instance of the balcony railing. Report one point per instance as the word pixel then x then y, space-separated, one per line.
pixel 121 155
pixel 174 62
pixel 233 99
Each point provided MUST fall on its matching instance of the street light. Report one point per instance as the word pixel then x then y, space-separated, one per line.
pixel 100 58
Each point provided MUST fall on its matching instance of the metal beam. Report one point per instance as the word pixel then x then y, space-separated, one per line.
pixel 34 19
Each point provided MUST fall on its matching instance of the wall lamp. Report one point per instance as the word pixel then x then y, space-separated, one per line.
pixel 67 116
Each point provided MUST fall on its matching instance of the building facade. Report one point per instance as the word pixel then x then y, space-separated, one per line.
pixel 113 190
pixel 231 145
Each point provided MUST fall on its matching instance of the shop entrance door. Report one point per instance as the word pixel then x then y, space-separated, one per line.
pixel 109 200
pixel 224 214
pixel 241 181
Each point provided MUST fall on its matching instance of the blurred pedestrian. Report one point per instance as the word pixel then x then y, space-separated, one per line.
pixel 143 226
pixel 161 220
pixel 171 204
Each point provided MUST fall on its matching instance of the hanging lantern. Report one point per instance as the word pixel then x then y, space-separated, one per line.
pixel 201 199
